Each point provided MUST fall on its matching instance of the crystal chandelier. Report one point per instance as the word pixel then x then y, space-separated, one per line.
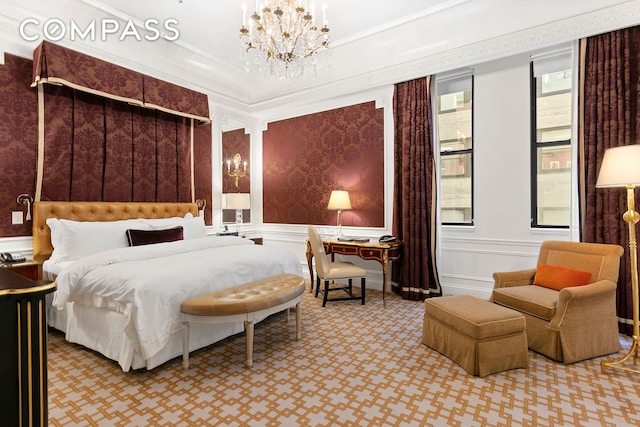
pixel 282 39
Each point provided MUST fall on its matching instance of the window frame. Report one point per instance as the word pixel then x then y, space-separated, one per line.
pixel 461 152
pixel 535 145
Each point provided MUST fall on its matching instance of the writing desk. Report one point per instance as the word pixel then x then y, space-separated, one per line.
pixel 381 252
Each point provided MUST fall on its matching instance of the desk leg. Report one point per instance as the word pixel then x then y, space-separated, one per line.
pixel 385 265
pixel 310 263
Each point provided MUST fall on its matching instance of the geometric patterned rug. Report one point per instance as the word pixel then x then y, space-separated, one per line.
pixel 355 366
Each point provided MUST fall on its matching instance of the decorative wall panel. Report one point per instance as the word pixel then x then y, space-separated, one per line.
pixel 18 140
pixel 306 157
pixel 203 166
pixel 236 141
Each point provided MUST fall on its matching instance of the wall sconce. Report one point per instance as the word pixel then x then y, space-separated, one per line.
pixel 339 201
pixel 237 201
pixel 25 199
pixel 237 173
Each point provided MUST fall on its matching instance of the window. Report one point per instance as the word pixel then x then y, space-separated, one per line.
pixel 551 97
pixel 455 134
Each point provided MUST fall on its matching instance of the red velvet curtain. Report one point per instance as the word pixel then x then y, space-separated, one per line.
pixel 610 117
pixel 100 149
pixel 414 219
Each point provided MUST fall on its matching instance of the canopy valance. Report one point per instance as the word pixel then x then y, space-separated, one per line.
pixel 58 65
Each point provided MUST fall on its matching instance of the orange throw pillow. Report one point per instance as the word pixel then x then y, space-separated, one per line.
pixel 556 277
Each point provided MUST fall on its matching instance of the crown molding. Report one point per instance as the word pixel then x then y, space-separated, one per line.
pixel 231 88
pixel 621 16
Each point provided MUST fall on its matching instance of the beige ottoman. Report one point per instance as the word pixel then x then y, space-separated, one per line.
pixel 482 337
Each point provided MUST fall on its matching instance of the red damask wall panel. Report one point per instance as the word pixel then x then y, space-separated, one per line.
pixel 306 157
pixel 203 166
pixel 236 141
pixel 18 140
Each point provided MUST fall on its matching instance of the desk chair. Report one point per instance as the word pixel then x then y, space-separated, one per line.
pixel 328 271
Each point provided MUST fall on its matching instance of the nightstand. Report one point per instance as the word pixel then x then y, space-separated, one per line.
pixel 29 268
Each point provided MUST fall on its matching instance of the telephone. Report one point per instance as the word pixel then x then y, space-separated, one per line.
pixel 11 257
pixel 387 238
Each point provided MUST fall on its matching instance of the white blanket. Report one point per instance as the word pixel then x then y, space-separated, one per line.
pixel 148 283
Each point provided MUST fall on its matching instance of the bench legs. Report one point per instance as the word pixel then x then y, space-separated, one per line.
pixel 248 327
pixel 185 345
pixel 298 322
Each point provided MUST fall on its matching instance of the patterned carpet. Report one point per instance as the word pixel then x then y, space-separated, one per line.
pixel 355 366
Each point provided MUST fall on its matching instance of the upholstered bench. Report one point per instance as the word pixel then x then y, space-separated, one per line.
pixel 246 303
pixel 482 337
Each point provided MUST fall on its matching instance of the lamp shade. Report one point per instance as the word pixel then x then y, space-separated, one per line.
pixel 339 200
pixel 236 201
pixel 620 167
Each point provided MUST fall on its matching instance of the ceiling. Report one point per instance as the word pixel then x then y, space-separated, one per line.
pixel 367 36
pixel 374 43
pixel 212 27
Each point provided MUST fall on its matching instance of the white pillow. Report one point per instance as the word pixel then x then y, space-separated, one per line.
pixel 193 227
pixel 72 240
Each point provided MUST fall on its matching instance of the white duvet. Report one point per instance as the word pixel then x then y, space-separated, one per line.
pixel 148 283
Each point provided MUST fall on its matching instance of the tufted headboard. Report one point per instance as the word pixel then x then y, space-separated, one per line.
pixel 96 211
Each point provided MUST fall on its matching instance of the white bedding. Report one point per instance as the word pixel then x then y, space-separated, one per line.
pixel 144 286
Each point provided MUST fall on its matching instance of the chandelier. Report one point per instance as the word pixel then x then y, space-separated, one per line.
pixel 282 39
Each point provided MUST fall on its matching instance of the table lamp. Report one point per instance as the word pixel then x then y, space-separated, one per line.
pixel 237 201
pixel 621 168
pixel 339 201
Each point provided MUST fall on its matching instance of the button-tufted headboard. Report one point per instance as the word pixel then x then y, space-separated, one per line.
pixel 96 211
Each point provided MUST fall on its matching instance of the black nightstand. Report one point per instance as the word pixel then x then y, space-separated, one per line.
pixel 29 268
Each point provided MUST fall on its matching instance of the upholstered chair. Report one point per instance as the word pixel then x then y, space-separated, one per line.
pixel 572 323
pixel 331 271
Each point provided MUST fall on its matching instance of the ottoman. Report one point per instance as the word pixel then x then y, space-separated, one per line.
pixel 482 337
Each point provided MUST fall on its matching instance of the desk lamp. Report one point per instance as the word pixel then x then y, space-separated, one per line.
pixel 339 201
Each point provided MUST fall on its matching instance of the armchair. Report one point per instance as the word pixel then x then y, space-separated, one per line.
pixel 576 322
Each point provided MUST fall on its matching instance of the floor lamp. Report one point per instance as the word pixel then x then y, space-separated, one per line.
pixel 621 168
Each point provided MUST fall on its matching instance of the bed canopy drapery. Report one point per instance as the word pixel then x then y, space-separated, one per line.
pixel 110 133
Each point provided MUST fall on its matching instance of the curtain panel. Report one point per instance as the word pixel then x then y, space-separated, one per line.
pixel 414 207
pixel 100 149
pixel 609 117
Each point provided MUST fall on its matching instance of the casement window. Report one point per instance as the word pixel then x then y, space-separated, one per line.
pixel 454 107
pixel 551 153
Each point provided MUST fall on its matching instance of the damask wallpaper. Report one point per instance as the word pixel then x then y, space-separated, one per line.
pixel 18 140
pixel 306 157
pixel 202 166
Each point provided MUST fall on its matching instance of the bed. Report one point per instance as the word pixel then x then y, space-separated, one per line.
pixel 119 295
